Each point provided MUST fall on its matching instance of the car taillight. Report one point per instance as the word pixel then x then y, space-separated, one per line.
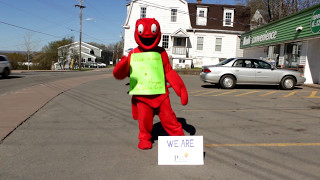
pixel 206 70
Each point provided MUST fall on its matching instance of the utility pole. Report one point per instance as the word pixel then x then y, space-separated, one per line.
pixel 81 7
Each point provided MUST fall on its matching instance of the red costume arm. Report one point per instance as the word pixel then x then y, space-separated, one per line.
pixel 122 69
pixel 174 79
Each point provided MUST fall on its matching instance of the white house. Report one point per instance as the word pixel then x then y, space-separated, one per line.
pixel 90 55
pixel 259 18
pixel 194 34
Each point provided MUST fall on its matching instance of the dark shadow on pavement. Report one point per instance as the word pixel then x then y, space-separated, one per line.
pixel 249 87
pixel 158 129
pixel 11 77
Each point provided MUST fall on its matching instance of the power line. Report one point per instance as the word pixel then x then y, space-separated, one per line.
pixel 26 12
pixel 46 20
pixel 29 29
pixel 19 45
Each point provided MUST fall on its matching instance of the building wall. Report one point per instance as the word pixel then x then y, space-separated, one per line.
pixel 85 55
pixel 208 56
pixel 161 13
pixel 312 69
pixel 256 52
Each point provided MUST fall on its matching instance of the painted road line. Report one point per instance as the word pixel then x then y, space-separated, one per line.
pixel 269 93
pixel 229 92
pixel 290 94
pixel 206 93
pixel 313 95
pixel 219 110
pixel 263 145
pixel 250 92
pixel 194 92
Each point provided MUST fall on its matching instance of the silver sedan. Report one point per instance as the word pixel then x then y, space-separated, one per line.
pixel 234 71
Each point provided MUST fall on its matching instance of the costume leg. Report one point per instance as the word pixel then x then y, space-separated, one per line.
pixel 169 120
pixel 145 125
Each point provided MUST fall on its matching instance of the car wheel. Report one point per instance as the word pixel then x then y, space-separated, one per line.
pixel 5 73
pixel 228 82
pixel 288 83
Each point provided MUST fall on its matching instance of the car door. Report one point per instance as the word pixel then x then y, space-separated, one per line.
pixel 244 70
pixel 265 74
pixel 2 63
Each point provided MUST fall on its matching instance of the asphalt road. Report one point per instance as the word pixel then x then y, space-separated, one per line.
pixel 83 129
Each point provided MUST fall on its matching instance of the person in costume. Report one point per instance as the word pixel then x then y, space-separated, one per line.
pixel 150 71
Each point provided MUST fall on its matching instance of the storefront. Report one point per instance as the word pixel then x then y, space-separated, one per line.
pixel 292 42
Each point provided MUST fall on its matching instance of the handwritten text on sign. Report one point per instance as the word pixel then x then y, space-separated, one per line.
pixel 146 74
pixel 180 150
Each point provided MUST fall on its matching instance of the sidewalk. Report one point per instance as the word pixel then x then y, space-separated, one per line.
pixel 316 86
pixel 18 106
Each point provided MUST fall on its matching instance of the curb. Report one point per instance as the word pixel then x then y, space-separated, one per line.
pixel 315 86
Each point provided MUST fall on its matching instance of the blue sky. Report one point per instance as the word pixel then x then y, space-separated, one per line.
pixel 44 21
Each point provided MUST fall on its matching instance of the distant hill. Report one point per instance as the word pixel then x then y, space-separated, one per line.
pixel 7 52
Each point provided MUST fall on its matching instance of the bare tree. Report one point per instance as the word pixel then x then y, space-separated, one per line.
pixel 30 47
pixel 117 49
pixel 280 8
pixel 63 53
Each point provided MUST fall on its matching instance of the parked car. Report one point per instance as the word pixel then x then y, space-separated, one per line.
pixel 234 71
pixel 5 66
pixel 101 65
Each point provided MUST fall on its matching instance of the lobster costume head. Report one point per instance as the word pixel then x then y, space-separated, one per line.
pixel 147 33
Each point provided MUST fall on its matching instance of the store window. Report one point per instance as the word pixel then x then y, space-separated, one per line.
pixel 292 53
pixel 273 54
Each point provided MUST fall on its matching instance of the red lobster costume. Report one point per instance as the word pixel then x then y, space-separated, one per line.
pixel 144 107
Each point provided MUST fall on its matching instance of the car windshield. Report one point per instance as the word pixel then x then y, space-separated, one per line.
pixel 225 61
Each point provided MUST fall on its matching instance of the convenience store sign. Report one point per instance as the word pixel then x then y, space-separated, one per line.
pixel 260 38
pixel 315 22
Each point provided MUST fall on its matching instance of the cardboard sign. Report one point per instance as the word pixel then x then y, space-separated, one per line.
pixel 180 150
pixel 146 74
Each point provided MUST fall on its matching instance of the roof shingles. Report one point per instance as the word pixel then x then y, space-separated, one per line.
pixel 215 17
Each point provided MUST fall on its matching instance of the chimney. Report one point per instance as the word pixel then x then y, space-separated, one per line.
pixel 199 1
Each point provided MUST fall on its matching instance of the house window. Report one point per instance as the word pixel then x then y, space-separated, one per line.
pixel 228 15
pixel 200 43
pixel 143 12
pixel 228 19
pixel 260 21
pixel 179 41
pixel 201 13
pixel 165 41
pixel 201 16
pixel 218 44
pixel 182 61
pixel 173 15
